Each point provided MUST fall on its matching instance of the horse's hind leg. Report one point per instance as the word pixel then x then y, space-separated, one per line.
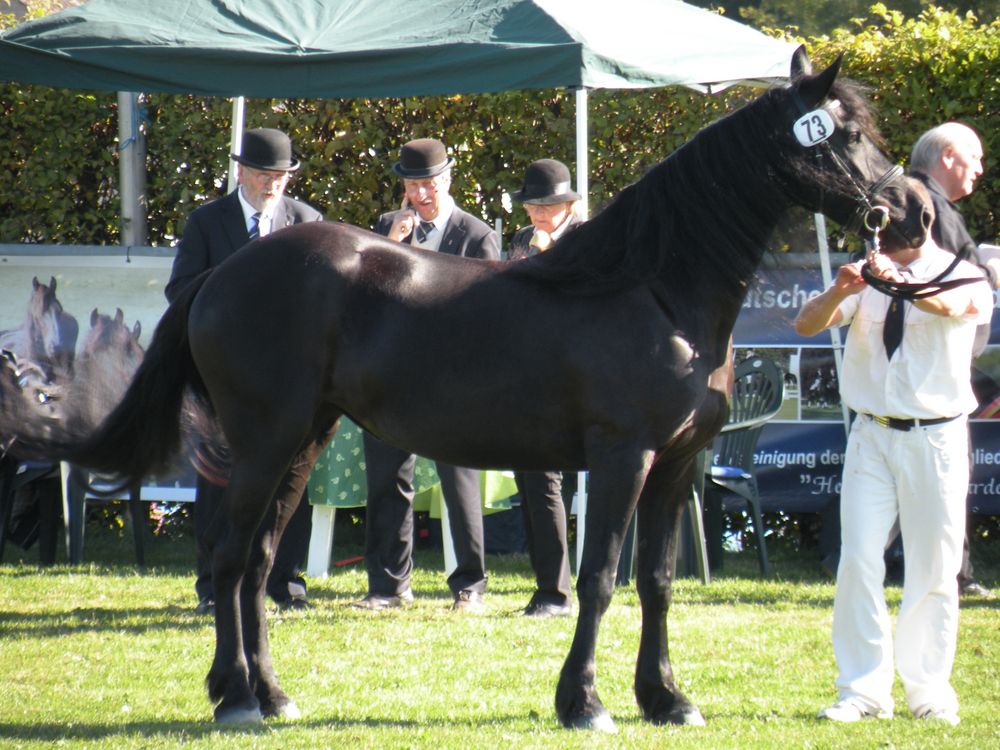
pixel 615 479
pixel 273 700
pixel 251 488
pixel 660 506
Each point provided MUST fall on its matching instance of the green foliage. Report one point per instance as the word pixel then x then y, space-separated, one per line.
pixel 926 70
pixel 58 174
pixel 818 17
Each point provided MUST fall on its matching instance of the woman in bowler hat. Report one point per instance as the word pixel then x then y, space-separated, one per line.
pixel 549 201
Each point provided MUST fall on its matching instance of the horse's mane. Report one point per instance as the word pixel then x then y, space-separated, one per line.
pixel 709 205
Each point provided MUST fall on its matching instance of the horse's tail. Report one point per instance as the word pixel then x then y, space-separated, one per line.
pixel 143 432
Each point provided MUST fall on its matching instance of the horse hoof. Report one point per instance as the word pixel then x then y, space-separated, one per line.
pixel 691 717
pixel 601 722
pixel 238 715
pixel 688 716
pixel 287 710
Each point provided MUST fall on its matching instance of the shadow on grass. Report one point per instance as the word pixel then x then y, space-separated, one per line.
pixel 162 730
pixel 52 624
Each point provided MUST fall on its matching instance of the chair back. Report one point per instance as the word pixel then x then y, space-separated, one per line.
pixel 758 390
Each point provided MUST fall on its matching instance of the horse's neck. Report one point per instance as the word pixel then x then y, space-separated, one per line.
pixel 723 256
pixel 720 251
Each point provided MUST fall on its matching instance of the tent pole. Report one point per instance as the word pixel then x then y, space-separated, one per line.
pixel 131 171
pixel 235 138
pixel 583 211
pixel 582 162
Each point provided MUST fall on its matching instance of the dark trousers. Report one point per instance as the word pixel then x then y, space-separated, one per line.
pixel 285 580
pixel 389 525
pixel 545 524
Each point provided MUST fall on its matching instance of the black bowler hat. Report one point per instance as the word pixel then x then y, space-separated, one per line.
pixel 546 182
pixel 423 157
pixel 267 148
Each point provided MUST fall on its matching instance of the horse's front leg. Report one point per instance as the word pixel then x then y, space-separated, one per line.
pixel 660 507
pixel 616 476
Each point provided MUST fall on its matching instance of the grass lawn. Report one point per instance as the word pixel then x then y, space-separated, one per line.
pixel 103 656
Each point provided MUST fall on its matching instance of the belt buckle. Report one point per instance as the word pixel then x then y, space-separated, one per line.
pixel 884 421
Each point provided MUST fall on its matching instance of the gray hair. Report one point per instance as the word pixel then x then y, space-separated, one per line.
pixel 929 147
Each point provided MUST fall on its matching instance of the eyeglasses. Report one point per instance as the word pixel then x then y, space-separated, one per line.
pixel 265 175
pixel 428 184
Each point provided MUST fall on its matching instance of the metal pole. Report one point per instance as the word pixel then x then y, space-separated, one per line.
pixel 131 171
pixel 827 271
pixel 582 161
pixel 235 138
pixel 583 210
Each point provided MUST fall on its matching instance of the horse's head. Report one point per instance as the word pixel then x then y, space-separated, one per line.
pixel 110 337
pixel 52 331
pixel 838 163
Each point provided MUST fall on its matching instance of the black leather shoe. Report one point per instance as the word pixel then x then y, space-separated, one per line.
pixel 206 606
pixel 975 588
pixel 377 602
pixel 294 602
pixel 469 601
pixel 548 609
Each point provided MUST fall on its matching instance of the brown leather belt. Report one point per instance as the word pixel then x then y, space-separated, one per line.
pixel 908 424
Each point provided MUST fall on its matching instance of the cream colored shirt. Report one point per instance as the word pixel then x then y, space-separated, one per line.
pixel 929 374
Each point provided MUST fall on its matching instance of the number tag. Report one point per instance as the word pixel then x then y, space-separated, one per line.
pixel 814 127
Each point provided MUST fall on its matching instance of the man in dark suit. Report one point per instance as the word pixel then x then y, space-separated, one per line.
pixel 948 159
pixel 550 204
pixel 431 220
pixel 212 233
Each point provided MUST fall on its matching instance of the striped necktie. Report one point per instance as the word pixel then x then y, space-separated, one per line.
pixel 424 228
pixel 255 226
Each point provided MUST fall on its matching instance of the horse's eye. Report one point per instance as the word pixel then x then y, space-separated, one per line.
pixel 854 136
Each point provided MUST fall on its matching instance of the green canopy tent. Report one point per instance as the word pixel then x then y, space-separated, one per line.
pixel 380 48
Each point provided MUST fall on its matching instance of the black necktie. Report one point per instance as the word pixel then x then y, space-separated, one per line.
pixel 424 228
pixel 892 331
pixel 255 226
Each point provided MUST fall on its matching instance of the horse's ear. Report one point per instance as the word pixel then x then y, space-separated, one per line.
pixel 119 316
pixel 52 283
pixel 35 283
pixel 814 88
pixel 136 330
pixel 801 64
pixel 94 315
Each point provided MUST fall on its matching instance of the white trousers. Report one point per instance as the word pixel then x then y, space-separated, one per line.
pixel 920 477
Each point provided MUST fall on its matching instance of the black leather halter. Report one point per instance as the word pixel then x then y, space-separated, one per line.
pixel 865 210
pixel 875 219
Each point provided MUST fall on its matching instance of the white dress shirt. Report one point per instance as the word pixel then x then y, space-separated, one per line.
pixel 929 374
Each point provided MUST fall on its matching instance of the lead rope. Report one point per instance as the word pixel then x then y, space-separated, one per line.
pixel 875 221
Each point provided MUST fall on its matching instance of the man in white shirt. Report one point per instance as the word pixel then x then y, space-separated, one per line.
pixel 907 458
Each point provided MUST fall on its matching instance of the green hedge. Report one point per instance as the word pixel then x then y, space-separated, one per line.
pixel 58 173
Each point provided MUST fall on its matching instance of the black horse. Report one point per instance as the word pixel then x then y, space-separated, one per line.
pixel 617 339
